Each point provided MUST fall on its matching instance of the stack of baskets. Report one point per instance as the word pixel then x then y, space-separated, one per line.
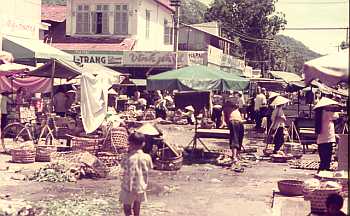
pixel 43 153
pixel 23 155
pixel 114 147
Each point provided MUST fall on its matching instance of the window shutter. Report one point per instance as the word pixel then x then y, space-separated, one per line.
pixel 79 26
pixel 105 24
pixel 93 22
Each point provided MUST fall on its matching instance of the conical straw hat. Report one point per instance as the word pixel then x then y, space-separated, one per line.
pixel 190 108
pixel 279 100
pixel 273 94
pixel 325 102
pixel 148 129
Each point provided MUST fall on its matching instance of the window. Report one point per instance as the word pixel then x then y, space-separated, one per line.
pixel 121 19
pixel 148 20
pixel 83 19
pixel 168 33
pixel 100 20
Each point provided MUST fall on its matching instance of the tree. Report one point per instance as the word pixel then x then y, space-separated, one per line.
pixel 192 11
pixel 254 22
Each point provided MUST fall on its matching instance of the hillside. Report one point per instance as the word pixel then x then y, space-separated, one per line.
pixel 297 53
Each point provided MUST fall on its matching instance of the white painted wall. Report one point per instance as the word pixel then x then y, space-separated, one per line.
pixel 20 18
pixel 136 25
pixel 156 38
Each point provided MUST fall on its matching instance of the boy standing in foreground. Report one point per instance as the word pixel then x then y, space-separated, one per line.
pixel 135 178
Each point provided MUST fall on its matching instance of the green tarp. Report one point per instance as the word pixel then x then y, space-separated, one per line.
pixel 197 77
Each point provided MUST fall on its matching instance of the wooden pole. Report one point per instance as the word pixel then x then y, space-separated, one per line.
pixel 52 83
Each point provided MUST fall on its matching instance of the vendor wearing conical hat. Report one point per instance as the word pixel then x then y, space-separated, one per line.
pixel 278 122
pixel 324 128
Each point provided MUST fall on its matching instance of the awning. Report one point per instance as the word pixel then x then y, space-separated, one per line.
pixel 330 69
pixel 288 77
pixel 97 69
pixel 63 70
pixel 23 48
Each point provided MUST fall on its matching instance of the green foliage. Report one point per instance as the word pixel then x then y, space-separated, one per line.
pixel 54 2
pixel 290 54
pixel 249 21
pixel 192 11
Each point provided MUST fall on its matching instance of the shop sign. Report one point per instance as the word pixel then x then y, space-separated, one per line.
pixel 18 28
pixel 214 55
pixel 153 59
pixel 197 58
pixel 107 59
pixel 230 61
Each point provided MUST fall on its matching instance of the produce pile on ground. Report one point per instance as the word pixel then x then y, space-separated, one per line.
pixel 57 172
pixel 69 167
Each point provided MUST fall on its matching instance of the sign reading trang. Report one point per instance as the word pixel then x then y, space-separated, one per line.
pixel 104 58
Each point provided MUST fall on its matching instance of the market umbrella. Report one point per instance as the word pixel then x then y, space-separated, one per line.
pixel 197 77
pixel 13 68
pixel 330 70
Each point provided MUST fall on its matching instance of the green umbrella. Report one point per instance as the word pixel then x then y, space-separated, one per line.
pixel 197 77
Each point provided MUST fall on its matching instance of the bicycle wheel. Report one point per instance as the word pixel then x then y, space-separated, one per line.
pixel 13 135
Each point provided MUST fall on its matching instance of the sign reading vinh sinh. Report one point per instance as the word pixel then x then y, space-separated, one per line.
pixel 230 61
pixel 98 57
pixel 153 59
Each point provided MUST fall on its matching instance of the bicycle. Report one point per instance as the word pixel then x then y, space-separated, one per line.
pixel 15 134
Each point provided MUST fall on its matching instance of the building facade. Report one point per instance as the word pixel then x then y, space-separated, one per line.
pixel 147 22
pixel 20 30
pixel 15 20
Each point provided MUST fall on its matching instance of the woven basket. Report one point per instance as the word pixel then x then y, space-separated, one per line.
pixel 283 159
pixel 90 145
pixel 23 155
pixel 344 182
pixel 290 187
pixel 43 153
pixel 117 142
pixel 318 198
pixel 110 159
pixel 169 164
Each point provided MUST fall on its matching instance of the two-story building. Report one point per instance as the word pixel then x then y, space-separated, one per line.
pixel 126 35
pixel 20 27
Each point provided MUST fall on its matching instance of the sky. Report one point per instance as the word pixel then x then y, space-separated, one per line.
pixel 315 14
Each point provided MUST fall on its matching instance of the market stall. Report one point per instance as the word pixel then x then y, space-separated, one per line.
pixel 197 77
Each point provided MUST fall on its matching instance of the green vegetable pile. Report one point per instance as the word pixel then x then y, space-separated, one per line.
pixel 79 206
pixel 55 172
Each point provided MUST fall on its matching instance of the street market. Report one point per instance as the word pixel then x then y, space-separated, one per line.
pixel 198 137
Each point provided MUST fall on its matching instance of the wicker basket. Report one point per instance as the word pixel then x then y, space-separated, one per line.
pixel 290 187
pixel 318 198
pixel 110 159
pixel 169 164
pixel 23 155
pixel 43 153
pixel 281 159
pixel 117 142
pixel 90 145
pixel 344 182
